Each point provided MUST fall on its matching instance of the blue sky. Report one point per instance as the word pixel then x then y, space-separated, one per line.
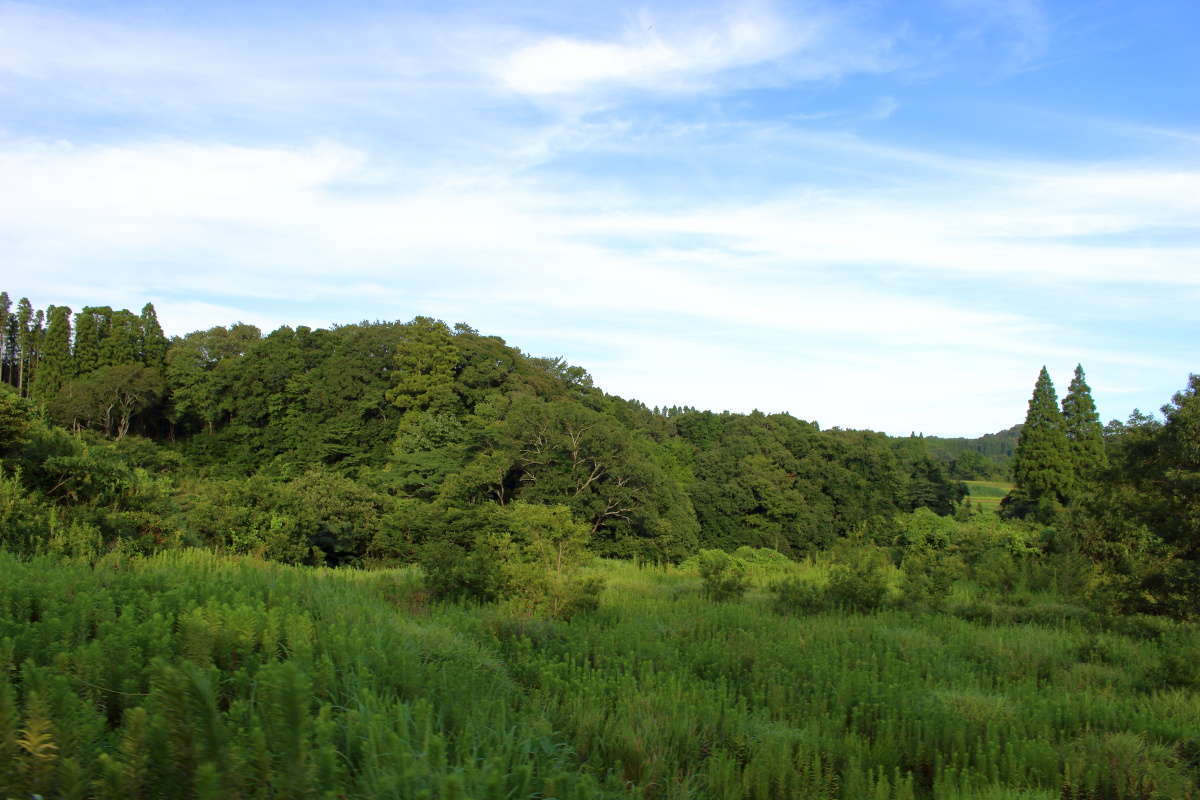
pixel 883 215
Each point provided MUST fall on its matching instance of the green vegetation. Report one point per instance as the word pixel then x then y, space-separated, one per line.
pixel 987 457
pixel 408 560
pixel 188 674
pixel 987 495
pixel 1043 466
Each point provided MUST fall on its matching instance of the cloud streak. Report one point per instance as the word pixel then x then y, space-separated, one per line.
pixel 177 220
pixel 660 196
pixel 665 53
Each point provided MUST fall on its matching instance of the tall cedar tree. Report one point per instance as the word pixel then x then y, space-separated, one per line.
pixel 5 313
pixel 24 339
pixel 87 344
pixel 55 366
pixel 37 334
pixel 120 346
pixel 154 343
pixel 1084 432
pixel 9 354
pixel 1042 462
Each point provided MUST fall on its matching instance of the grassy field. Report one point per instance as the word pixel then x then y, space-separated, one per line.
pixel 192 675
pixel 988 494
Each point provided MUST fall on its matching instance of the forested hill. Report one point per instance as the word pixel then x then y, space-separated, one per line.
pixel 369 441
pixel 988 456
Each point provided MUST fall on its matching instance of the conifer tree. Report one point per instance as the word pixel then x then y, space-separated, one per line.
pixel 24 339
pixel 120 346
pixel 37 333
pixel 87 342
pixel 9 355
pixel 153 341
pixel 55 365
pixel 1042 461
pixel 5 312
pixel 1084 432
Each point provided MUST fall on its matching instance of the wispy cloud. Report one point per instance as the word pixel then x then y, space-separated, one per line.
pixel 175 219
pixel 662 194
pixel 1022 27
pixel 677 52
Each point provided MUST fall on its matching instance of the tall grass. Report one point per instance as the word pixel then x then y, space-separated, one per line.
pixel 192 675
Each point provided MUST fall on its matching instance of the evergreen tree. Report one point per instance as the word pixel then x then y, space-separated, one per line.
pixel 428 362
pixel 55 365
pixel 5 312
pixel 153 341
pixel 1042 462
pixel 87 342
pixel 23 339
pixel 9 355
pixel 120 345
pixel 37 333
pixel 1084 432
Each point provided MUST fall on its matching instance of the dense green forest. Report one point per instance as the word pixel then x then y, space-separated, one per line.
pixel 408 560
pixel 361 443
pixel 989 456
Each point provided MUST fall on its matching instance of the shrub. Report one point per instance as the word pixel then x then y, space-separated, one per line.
pixel 453 572
pixel 928 576
pixel 798 596
pixel 528 554
pixel 550 549
pixel 996 569
pixel 761 555
pixel 723 575
pixel 860 585
pixel 924 528
pixel 560 598
pixel 24 521
pixel 1123 766
pixel 1181 660
pixel 75 538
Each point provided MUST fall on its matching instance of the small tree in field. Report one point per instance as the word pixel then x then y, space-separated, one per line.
pixel 553 549
pixel 529 554
pixel 723 575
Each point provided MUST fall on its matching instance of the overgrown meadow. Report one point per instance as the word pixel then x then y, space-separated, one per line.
pixel 189 674
pixel 404 560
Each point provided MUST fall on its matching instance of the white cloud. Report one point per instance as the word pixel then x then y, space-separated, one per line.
pixel 273 235
pixel 652 56
pixel 667 53
pixel 461 175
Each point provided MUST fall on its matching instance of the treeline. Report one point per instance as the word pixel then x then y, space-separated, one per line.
pixel 393 442
pixel 369 442
pixel 99 368
pixel 987 457
pixel 1126 495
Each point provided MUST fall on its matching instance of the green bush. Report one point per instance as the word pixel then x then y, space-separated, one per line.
pixel 1124 766
pixel 453 572
pixel 24 521
pixel 1181 660
pixel 858 587
pixel 798 596
pixel 928 576
pixel 559 598
pixel 530 555
pixel 996 569
pixel 762 555
pixel 724 576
